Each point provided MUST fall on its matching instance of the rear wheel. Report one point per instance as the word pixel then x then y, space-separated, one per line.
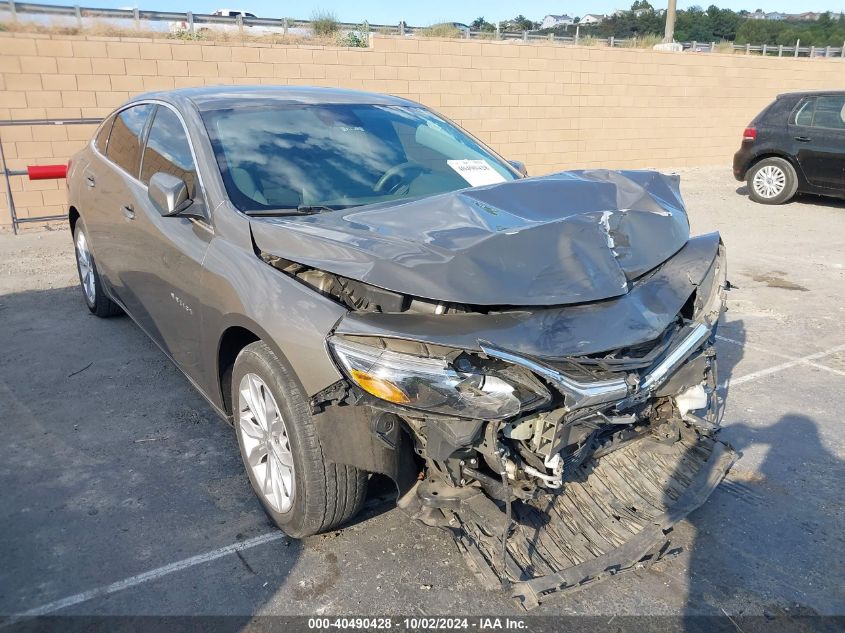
pixel 301 492
pixel 772 181
pixel 89 278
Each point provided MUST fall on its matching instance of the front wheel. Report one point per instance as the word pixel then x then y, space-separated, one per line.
pixel 89 277
pixel 300 491
pixel 772 181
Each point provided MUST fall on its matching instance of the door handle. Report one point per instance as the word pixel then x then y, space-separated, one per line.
pixel 90 181
pixel 128 211
pixel 803 139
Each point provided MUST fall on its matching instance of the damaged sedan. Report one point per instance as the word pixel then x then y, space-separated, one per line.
pixel 359 286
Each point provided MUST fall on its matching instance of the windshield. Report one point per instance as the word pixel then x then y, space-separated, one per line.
pixel 283 156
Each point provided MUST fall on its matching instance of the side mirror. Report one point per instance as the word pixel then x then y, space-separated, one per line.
pixel 520 167
pixel 168 194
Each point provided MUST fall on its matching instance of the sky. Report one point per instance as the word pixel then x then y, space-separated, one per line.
pixel 426 12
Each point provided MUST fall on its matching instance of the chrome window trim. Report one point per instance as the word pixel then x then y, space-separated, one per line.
pixel 116 113
pixel 802 102
pixel 175 110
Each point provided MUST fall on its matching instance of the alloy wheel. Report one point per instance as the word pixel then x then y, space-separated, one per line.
pixel 86 268
pixel 769 181
pixel 265 441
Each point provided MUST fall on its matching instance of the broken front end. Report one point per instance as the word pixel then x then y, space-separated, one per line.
pixel 552 470
pixel 532 362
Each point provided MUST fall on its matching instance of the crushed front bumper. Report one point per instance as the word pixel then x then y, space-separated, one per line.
pixel 617 514
pixel 591 483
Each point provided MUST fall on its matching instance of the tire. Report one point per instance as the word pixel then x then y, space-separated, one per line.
pixel 772 181
pixel 89 277
pixel 304 493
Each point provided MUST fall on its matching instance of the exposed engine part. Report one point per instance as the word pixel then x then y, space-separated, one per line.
pixel 691 399
pixel 551 481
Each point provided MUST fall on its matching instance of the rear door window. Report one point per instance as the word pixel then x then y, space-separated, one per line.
pixel 124 147
pixel 830 112
pixel 103 136
pixel 169 151
pixel 804 113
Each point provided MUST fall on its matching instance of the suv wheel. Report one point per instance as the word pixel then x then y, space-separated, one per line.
pixel 772 181
pixel 301 492
pixel 89 278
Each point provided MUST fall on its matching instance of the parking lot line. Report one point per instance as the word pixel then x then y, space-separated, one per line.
pixel 199 559
pixel 805 360
pixel 802 360
pixel 153 574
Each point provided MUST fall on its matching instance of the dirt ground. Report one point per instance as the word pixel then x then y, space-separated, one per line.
pixel 122 493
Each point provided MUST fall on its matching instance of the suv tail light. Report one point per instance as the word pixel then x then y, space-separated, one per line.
pixel 750 134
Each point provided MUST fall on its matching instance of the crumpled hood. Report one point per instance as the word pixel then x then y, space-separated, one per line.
pixel 565 238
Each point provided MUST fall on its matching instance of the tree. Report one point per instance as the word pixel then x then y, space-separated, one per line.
pixel 480 24
pixel 641 4
pixel 521 23
pixel 824 32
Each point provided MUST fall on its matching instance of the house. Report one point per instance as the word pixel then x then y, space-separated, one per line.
pixel 592 18
pixel 556 21
pixel 638 12
pixel 774 15
pixel 757 15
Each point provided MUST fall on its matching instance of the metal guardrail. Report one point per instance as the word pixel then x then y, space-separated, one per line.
pixel 792 51
pixel 34 173
pixel 192 20
pixel 193 23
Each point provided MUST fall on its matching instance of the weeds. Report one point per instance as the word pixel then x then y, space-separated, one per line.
pixel 589 40
pixel 359 38
pixel 646 41
pixel 187 35
pixel 444 29
pixel 324 24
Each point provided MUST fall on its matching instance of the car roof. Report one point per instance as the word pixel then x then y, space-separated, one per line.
pixel 209 97
pixel 807 93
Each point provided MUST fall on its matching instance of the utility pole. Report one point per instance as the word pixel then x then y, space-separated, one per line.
pixel 669 35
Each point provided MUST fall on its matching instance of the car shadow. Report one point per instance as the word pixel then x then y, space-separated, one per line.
pixel 757 545
pixel 822 201
pixel 115 466
pixel 804 198
pixel 758 540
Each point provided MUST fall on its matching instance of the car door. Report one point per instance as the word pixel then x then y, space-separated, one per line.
pixel 119 174
pixel 818 129
pixel 93 206
pixel 164 260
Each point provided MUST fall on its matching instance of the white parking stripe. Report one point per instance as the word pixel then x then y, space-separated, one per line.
pixel 801 360
pixel 132 581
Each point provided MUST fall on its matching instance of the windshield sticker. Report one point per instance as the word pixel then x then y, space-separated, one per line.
pixel 476 172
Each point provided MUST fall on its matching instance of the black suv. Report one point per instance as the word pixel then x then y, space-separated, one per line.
pixel 796 144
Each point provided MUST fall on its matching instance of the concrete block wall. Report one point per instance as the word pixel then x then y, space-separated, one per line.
pixel 554 107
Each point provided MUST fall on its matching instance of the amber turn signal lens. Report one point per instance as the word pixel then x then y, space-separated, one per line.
pixel 379 387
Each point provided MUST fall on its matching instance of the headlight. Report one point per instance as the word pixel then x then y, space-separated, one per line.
pixel 437 384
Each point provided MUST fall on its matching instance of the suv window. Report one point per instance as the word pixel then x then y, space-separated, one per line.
pixel 124 148
pixel 830 112
pixel 103 136
pixel 168 150
pixel 804 114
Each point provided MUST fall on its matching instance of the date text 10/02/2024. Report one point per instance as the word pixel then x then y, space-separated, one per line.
pixel 418 623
